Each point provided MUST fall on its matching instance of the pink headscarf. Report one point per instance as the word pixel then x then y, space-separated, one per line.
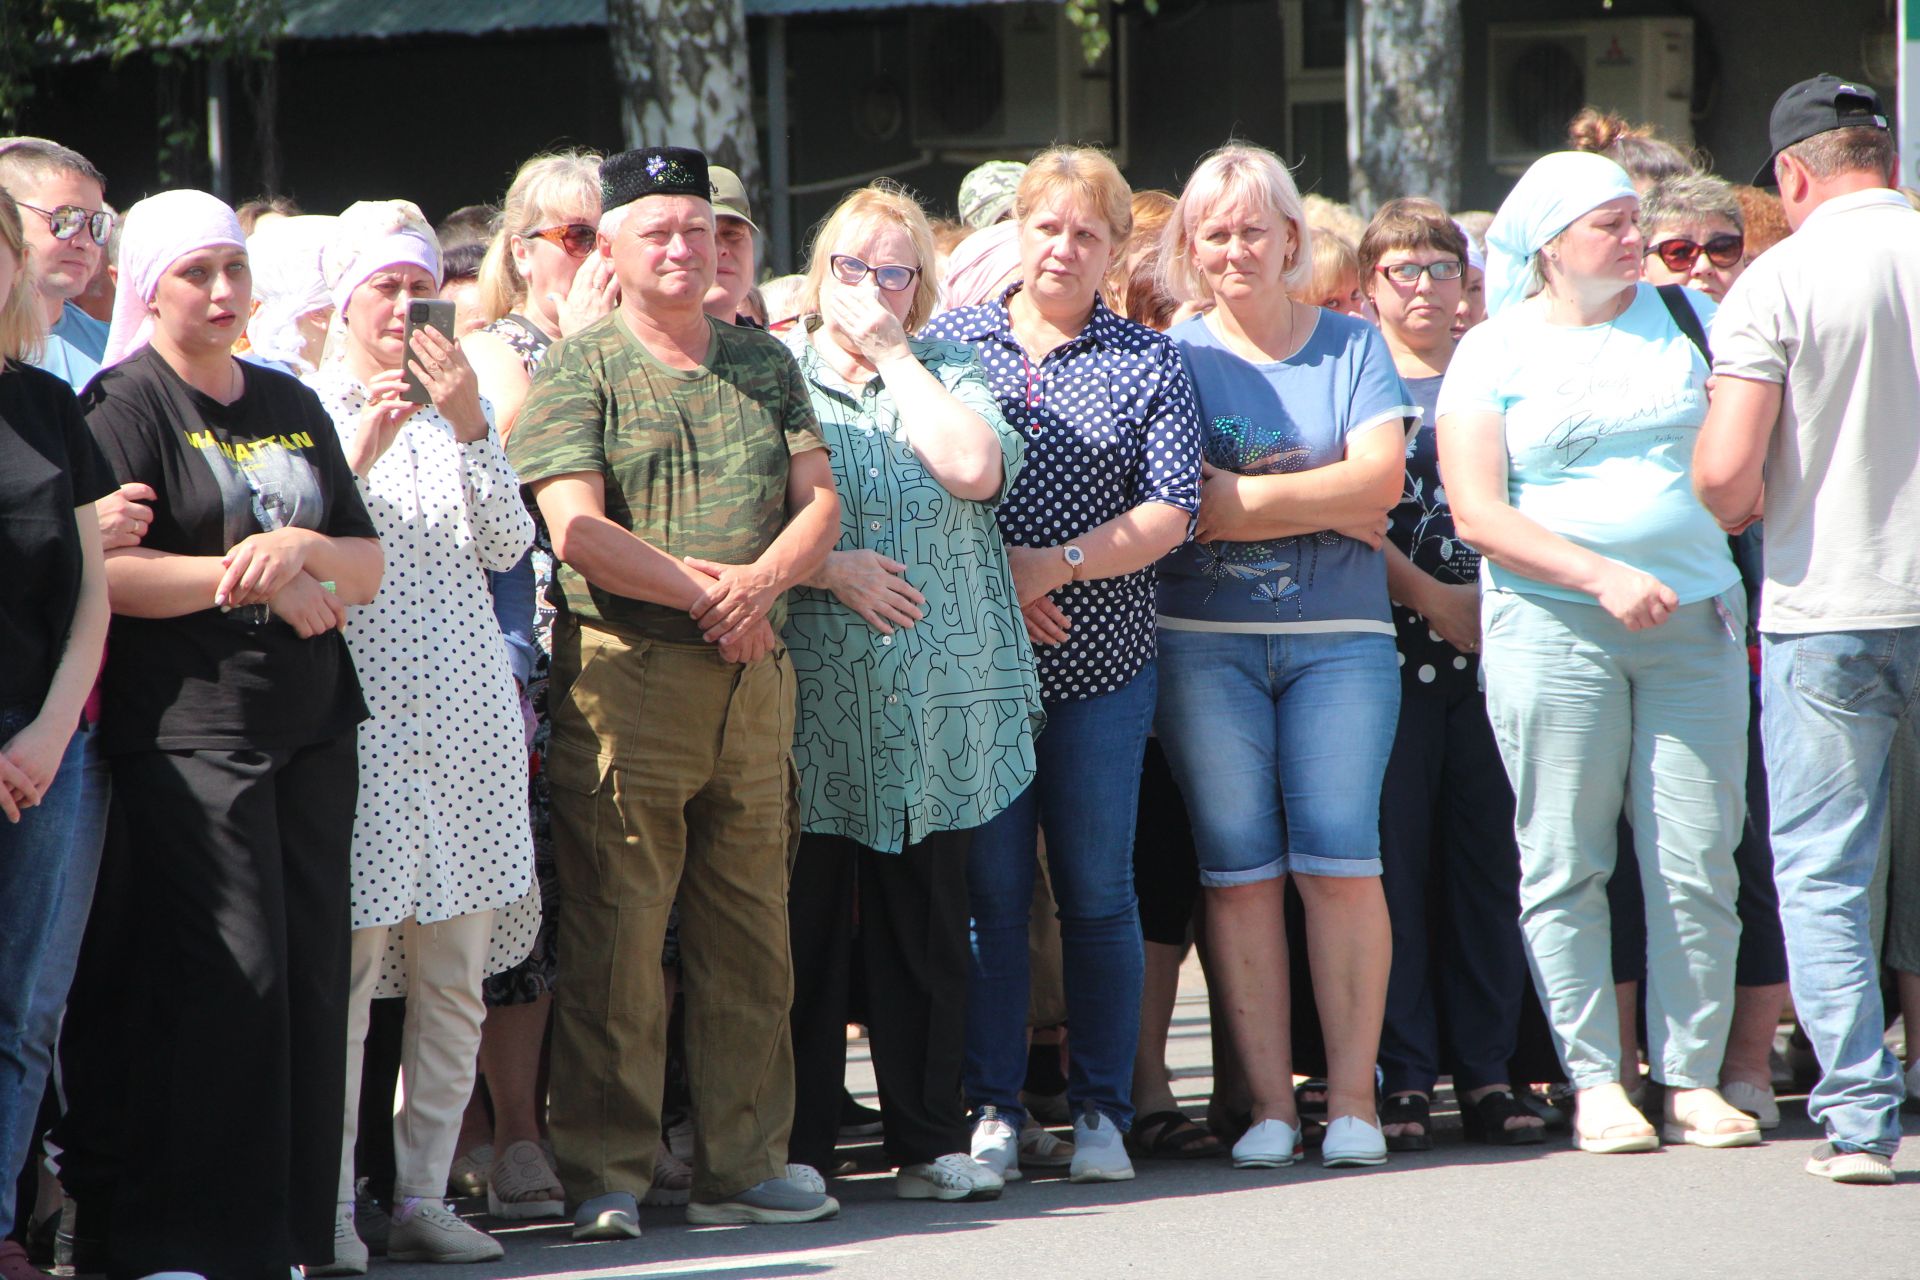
pixel 374 234
pixel 981 266
pixel 158 232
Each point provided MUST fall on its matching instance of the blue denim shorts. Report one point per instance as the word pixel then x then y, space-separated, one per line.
pixel 1279 744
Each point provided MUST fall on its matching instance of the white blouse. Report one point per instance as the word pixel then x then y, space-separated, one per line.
pixel 442 828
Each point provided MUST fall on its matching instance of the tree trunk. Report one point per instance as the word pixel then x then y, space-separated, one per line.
pixel 683 71
pixel 1408 102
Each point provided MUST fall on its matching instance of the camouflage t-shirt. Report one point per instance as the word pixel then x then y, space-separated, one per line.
pixel 695 460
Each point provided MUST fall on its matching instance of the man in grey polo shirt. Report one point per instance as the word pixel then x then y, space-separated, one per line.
pixel 1816 415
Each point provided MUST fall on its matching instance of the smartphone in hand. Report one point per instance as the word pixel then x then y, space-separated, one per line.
pixel 424 313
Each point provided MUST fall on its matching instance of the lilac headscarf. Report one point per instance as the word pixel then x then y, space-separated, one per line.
pixel 159 231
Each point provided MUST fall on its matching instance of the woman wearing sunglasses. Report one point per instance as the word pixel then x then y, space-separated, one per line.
pixel 1692 228
pixel 542 280
pixel 1614 636
pixel 911 659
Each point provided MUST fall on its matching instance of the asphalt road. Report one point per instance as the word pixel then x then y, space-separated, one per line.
pixel 1461 1210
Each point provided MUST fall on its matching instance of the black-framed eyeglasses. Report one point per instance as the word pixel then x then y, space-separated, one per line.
pixel 66 221
pixel 1410 272
pixel 1680 253
pixel 577 238
pixel 848 269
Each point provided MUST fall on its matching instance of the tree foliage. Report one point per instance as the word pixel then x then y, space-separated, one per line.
pixel 34 32
pixel 1090 18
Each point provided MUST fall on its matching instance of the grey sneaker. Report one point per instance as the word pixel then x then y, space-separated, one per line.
pixel 1864 1168
pixel 349 1250
pixel 775 1200
pixel 613 1216
pixel 807 1178
pixel 370 1219
pixel 428 1231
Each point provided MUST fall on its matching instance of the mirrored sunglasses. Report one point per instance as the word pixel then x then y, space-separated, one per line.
pixel 66 221
pixel 1680 253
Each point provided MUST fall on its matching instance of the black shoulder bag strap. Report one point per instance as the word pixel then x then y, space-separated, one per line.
pixel 1675 296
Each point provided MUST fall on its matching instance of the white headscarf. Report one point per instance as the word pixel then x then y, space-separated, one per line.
pixel 1476 256
pixel 287 284
pixel 371 234
pixel 1555 191
pixel 158 232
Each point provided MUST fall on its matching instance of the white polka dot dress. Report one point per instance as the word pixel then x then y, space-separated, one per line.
pixel 442 827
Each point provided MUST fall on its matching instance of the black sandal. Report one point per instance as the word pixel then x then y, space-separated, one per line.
pixel 1311 1108
pixel 1486 1121
pixel 1170 1135
pixel 1408 1108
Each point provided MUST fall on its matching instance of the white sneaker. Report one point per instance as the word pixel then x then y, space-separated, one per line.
pixel 1271 1144
pixel 951 1177
pixel 349 1250
pixel 1099 1154
pixel 1352 1143
pixel 428 1231
pixel 1042 1148
pixel 996 1145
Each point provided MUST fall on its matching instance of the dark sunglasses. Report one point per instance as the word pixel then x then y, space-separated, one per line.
pixel 1410 272
pixel 848 269
pixel 577 238
pixel 66 221
pixel 1680 254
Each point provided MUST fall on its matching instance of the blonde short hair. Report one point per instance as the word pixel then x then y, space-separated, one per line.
pixel 1334 260
pixel 544 188
pixel 885 201
pixel 21 328
pixel 1084 174
pixel 1236 171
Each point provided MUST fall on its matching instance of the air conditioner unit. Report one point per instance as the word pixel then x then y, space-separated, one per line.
pixel 1541 74
pixel 1007 79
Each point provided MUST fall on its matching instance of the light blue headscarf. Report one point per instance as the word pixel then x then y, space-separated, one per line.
pixel 1555 191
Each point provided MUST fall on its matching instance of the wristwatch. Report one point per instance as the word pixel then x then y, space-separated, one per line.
pixel 1075 558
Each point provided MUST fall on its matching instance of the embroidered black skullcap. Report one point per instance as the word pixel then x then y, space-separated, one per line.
pixel 653 171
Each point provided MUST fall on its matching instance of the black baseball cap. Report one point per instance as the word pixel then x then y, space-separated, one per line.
pixel 1819 105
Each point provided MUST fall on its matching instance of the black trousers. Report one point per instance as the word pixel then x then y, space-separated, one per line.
pixel 237 1060
pixel 911 939
pixel 1451 875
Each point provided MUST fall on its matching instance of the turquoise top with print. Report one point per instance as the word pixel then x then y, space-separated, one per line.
pixel 931 728
pixel 1600 423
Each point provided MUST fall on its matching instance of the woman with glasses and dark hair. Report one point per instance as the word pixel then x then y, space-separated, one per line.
pixel 1458 974
pixel 1693 234
pixel 917 698
pixel 1614 631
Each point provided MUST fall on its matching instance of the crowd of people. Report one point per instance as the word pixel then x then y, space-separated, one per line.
pixel 662 671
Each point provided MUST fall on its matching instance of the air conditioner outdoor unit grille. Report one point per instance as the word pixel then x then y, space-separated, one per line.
pixel 1540 74
pixel 1006 79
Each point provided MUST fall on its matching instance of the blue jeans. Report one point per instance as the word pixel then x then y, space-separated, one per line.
pixel 48 998
pixel 1085 794
pixel 33 863
pixel 1248 721
pixel 1831 705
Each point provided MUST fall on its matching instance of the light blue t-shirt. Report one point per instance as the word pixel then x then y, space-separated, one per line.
pixel 1600 425
pixel 1277 417
pixel 76 344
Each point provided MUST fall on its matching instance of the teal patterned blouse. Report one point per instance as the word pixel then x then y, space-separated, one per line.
pixel 930 729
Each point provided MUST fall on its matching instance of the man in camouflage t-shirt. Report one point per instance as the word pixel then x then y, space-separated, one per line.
pixel 677 463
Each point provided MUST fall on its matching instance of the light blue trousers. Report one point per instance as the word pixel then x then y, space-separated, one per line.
pixel 1590 716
